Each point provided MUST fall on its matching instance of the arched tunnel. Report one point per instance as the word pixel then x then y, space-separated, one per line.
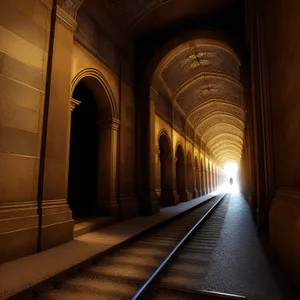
pixel 149 148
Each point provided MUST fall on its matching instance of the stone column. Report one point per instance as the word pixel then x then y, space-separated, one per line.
pixel 204 188
pixel 186 191
pixel 149 202
pixel 168 192
pixel 108 149
pixel 196 182
pixel 208 181
pixel 56 223
pixel 157 171
pixel 174 185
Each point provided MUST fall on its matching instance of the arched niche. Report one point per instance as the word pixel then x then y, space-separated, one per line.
pixel 181 174
pixel 165 160
pixel 93 147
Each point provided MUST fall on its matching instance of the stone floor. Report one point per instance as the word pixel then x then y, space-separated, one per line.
pixel 239 262
pixel 23 273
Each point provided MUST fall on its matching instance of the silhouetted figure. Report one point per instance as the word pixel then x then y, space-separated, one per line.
pixel 231 181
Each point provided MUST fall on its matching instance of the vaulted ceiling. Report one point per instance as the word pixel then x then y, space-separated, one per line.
pixel 140 16
pixel 202 79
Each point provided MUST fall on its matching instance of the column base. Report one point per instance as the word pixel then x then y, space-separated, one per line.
pixel 284 232
pixel 196 193
pixel 170 199
pixel 129 207
pixel 18 231
pixel 184 196
pixel 57 223
pixel 261 219
pixel 149 204
pixel 108 208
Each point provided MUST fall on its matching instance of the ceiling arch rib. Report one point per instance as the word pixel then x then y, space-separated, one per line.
pixel 227 156
pixel 221 128
pixel 226 152
pixel 231 147
pixel 212 107
pixel 225 137
pixel 219 118
pixel 194 59
pixel 224 144
pixel 207 88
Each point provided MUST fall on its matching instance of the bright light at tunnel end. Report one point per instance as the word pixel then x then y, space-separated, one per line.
pixel 231 172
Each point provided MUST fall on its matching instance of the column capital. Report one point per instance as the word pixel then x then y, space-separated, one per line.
pixel 66 12
pixel 157 150
pixel 113 124
pixel 65 19
pixel 70 6
pixel 73 104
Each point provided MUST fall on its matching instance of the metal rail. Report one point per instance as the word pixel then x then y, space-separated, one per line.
pixel 147 285
pixel 205 293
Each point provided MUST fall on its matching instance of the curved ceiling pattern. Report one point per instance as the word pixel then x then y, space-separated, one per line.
pixel 202 80
pixel 207 123
pixel 197 59
pixel 212 107
pixel 207 87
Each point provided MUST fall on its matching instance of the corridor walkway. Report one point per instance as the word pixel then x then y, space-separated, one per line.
pixel 239 264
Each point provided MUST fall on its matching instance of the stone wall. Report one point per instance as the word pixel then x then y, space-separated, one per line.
pixel 24 36
pixel 282 26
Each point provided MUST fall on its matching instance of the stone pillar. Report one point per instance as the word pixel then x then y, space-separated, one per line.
pixel 56 218
pixel 149 202
pixel 169 194
pixel 208 180
pixel 196 183
pixel 174 185
pixel 108 149
pixel 23 72
pixel 157 171
pixel 204 180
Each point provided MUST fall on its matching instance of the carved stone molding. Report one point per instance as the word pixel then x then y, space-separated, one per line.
pixel 113 124
pixel 65 19
pixel 73 104
pixel 70 6
pixel 157 150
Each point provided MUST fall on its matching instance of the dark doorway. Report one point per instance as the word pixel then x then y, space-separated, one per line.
pixel 180 174
pixel 166 171
pixel 84 154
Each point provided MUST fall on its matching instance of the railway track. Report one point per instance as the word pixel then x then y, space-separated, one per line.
pixel 152 266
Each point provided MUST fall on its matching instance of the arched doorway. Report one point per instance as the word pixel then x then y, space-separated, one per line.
pixel 180 175
pixel 93 150
pixel 197 177
pixel 166 170
pixel 190 176
pixel 84 154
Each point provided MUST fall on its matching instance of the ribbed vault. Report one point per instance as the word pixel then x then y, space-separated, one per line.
pixel 201 79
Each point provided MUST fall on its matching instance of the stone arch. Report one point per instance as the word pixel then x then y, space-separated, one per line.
pixel 104 92
pixel 93 147
pixel 161 56
pixel 164 132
